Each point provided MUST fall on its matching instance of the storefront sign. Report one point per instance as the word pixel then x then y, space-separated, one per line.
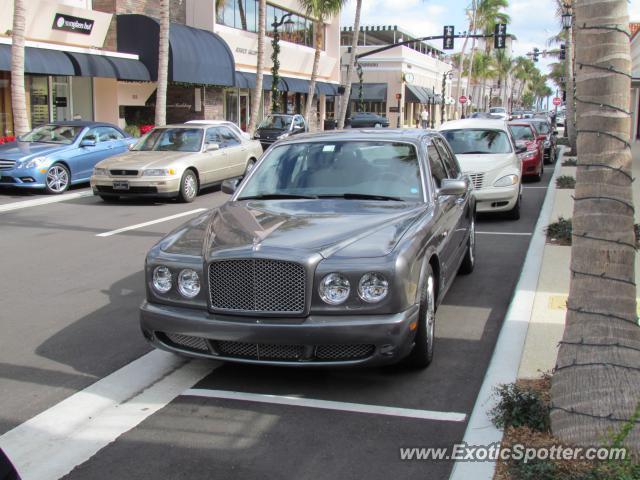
pixel 69 23
pixel 246 51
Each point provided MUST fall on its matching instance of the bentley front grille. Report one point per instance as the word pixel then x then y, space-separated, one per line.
pixel 257 285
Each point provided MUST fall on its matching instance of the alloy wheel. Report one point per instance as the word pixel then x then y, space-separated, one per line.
pixel 57 179
pixel 430 315
pixel 190 186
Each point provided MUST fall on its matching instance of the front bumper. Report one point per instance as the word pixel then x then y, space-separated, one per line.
pixel 138 186
pixel 389 338
pixel 23 178
pixel 531 167
pixel 496 199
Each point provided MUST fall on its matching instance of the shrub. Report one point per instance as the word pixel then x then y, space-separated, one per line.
pixel 534 470
pixel 520 406
pixel 559 232
pixel 132 130
pixel 570 162
pixel 565 181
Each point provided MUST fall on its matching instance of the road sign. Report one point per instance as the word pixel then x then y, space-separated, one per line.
pixel 448 37
pixel 557 101
pixel 500 35
pixel 463 99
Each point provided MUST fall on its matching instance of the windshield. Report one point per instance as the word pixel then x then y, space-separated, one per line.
pixel 484 141
pixel 497 110
pixel 63 134
pixel 338 169
pixel 279 122
pixel 171 139
pixel 543 127
pixel 522 132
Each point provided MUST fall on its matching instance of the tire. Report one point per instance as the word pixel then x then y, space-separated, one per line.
pixel 377 125
pixel 188 187
pixel 422 353
pixel 469 261
pixel 58 179
pixel 514 213
pixel 109 198
pixel 538 177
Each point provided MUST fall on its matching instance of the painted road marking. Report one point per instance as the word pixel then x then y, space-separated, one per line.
pixel 328 405
pixel 9 207
pixel 68 434
pixel 537 187
pixel 504 233
pixel 152 222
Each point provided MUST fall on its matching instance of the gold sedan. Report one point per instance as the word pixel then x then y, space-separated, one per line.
pixel 176 161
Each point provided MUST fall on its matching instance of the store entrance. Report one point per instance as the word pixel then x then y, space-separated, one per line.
pixel 237 108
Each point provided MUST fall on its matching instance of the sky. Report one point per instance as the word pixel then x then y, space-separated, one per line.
pixel 533 22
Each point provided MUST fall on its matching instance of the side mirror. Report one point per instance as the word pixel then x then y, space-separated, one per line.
pixel 521 149
pixel 211 147
pixel 230 185
pixel 298 128
pixel 88 142
pixel 452 186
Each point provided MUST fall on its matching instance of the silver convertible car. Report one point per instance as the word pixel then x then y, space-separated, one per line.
pixel 336 249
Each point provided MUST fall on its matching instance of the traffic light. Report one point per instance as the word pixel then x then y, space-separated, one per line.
pixel 448 37
pixel 500 35
pixel 536 54
pixel 564 96
pixel 563 52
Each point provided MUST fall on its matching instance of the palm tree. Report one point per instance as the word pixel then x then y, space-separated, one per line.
pixel 321 10
pixel 484 71
pixel 523 71
pixel 472 26
pixel 18 97
pixel 503 65
pixel 256 100
pixel 344 103
pixel 596 384
pixel 163 65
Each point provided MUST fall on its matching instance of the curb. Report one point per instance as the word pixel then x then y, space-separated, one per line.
pixel 505 361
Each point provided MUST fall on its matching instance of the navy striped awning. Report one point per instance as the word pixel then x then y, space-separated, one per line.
pixel 39 60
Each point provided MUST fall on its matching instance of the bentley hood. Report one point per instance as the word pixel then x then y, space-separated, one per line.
pixel 348 228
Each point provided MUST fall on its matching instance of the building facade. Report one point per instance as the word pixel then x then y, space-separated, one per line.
pixel 97 60
pixel 399 82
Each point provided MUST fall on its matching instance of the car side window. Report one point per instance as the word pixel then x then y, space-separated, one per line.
pixel 298 122
pixel 438 170
pixel 228 138
pixel 449 159
pixel 107 134
pixel 213 136
pixel 93 134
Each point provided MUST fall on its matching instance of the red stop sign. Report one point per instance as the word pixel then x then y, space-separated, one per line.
pixel 463 99
pixel 557 101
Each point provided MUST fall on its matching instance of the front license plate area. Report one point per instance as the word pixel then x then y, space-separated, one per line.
pixel 121 185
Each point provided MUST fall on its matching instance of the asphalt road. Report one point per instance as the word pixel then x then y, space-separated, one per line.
pixel 69 318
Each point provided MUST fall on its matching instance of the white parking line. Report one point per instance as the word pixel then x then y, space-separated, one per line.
pixel 152 222
pixel 8 207
pixel 536 187
pixel 328 405
pixel 505 233
pixel 51 444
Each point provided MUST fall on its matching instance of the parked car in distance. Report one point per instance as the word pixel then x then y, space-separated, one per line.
pixel 367 120
pixel 561 118
pixel 278 126
pixel 487 154
pixel 55 156
pixel 499 112
pixel 336 249
pixel 224 123
pixel 530 151
pixel 176 161
pixel 517 114
pixel 547 136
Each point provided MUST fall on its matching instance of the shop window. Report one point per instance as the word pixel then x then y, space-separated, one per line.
pixel 39 100
pixel 6 116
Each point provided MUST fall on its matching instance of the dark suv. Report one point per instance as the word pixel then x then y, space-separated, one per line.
pixel 278 126
pixel 368 120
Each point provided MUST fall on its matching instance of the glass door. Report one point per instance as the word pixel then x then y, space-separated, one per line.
pixel 244 111
pixel 38 100
pixel 61 107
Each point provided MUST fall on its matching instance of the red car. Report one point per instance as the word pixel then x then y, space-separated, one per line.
pixel 530 149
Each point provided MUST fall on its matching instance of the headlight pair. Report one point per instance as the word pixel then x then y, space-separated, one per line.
pixel 188 281
pixel 335 288
pixel 528 155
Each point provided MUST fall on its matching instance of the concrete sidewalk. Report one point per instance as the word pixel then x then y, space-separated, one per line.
pixel 549 309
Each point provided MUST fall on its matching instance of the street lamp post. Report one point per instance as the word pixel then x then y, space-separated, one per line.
pixel 566 16
pixel 433 108
pixel 275 43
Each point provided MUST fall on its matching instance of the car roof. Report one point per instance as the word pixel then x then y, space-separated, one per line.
pixel 82 123
pixel 184 125
pixel 474 123
pixel 412 135
pixel 210 122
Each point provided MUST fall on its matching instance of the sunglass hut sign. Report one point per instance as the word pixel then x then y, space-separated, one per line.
pixel 69 23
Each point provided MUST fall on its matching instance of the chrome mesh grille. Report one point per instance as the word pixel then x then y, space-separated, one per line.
pixel 257 285
pixel 477 179
pixel 187 342
pixel 344 352
pixel 261 351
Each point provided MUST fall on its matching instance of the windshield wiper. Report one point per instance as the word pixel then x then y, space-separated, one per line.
pixel 275 196
pixel 363 196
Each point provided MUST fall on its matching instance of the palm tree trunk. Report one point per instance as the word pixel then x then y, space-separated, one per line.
pixel 163 65
pixel 310 110
pixel 461 70
pixel 596 384
pixel 570 120
pixel 256 101
pixel 344 103
pixel 472 30
pixel 18 96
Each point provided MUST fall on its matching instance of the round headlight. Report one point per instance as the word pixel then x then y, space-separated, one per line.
pixel 334 289
pixel 373 287
pixel 162 279
pixel 188 283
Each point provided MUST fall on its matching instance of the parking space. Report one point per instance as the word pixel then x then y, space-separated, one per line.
pixel 74 319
